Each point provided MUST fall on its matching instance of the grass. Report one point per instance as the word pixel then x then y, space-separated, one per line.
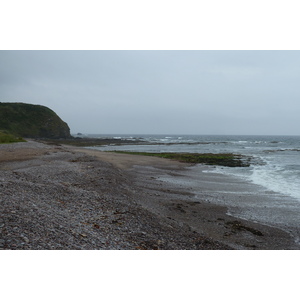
pixel 7 138
pixel 220 159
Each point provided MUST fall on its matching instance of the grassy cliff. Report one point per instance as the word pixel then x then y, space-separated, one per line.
pixel 32 121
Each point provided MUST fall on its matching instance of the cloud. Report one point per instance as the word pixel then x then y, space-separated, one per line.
pixel 201 92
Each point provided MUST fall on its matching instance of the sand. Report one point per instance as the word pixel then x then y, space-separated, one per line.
pixel 62 197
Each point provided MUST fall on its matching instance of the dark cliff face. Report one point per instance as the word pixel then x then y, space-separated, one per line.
pixel 32 121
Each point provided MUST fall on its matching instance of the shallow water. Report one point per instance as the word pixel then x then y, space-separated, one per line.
pixel 244 199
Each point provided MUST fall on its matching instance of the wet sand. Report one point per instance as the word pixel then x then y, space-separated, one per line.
pixel 63 197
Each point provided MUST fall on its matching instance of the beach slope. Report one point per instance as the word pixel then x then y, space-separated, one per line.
pixel 62 197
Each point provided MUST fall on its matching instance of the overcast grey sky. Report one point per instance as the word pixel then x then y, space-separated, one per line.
pixel 153 92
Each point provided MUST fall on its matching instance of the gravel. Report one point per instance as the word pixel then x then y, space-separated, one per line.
pixel 60 199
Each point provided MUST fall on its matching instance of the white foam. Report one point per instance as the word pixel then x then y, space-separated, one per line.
pixel 270 176
pixel 276 179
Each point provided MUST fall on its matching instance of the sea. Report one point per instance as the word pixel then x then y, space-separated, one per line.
pixel 275 160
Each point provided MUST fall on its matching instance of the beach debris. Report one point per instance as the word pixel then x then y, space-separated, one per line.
pixel 237 225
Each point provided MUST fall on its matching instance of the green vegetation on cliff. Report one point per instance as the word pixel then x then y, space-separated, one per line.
pixel 32 121
pixel 6 138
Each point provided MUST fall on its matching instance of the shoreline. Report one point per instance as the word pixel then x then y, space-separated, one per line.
pixel 65 197
pixel 241 202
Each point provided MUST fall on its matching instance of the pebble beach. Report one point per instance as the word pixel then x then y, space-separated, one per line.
pixel 56 197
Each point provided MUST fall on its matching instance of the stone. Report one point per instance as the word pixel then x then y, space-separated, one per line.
pixel 26 240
